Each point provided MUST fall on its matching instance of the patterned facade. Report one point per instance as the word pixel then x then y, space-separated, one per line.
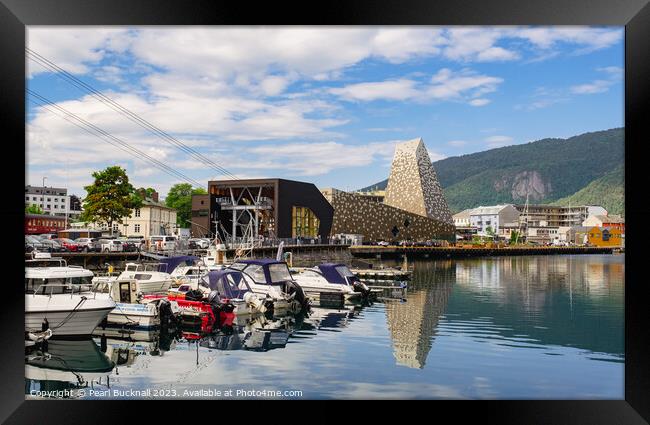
pixel 413 183
pixel 354 213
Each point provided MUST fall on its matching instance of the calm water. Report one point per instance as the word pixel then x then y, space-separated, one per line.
pixel 505 327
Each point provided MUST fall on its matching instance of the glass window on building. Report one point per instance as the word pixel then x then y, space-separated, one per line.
pixel 137 228
pixel 304 223
pixel 137 212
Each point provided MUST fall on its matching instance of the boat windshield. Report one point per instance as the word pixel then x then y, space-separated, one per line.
pixel 279 272
pixel 58 285
pixel 256 272
pixel 344 271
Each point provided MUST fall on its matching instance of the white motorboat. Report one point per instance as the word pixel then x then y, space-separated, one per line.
pixel 61 298
pixel 131 310
pixel 272 278
pixel 151 278
pixel 331 279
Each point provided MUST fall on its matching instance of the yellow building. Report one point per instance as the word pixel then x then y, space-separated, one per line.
pixel 604 236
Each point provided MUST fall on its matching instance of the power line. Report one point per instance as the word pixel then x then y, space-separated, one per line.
pixel 106 136
pixel 46 63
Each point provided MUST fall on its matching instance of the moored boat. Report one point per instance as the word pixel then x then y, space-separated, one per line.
pixel 61 298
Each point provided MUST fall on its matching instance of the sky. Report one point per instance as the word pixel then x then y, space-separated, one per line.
pixel 319 104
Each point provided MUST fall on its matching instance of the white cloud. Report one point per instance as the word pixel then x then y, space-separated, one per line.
pixel 614 75
pixel 74 49
pixel 444 85
pixel 457 143
pixel 479 102
pixel 386 90
pixel 476 44
pixel 499 141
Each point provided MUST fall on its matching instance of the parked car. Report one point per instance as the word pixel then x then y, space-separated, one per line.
pixel 48 236
pixel 138 242
pixel 53 246
pixel 129 245
pixel 32 243
pixel 68 244
pixel 110 245
pixel 199 243
pixel 383 243
pixel 88 244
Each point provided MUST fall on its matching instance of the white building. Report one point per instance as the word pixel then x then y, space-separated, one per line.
pixel 462 218
pixel 599 220
pixel 153 218
pixel 492 217
pixel 52 200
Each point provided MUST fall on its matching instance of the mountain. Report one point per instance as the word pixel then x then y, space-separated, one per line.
pixel 607 191
pixel 546 170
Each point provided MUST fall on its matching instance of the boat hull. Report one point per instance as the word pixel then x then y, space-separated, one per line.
pixel 134 315
pixel 80 322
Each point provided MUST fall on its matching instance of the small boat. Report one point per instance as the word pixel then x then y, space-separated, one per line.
pixel 131 309
pixel 151 277
pixel 329 279
pixel 272 277
pixel 61 298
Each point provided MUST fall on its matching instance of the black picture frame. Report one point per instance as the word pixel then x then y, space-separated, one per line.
pixel 633 14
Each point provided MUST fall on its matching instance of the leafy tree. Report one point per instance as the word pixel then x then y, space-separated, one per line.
pixel 33 209
pixel 110 198
pixel 514 235
pixel 180 199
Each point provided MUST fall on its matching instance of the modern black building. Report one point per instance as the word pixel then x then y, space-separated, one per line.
pixel 271 208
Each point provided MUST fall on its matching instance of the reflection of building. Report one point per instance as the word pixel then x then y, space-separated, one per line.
pixel 412 324
pixel 413 207
pixel 266 207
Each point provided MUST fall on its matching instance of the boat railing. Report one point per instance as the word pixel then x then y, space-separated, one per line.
pixel 74 288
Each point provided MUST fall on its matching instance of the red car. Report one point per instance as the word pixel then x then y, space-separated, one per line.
pixel 69 244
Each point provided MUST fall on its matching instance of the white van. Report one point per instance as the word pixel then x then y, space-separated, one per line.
pixel 162 243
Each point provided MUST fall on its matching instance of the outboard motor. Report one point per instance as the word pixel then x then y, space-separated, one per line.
pixel 293 288
pixel 361 287
pixel 194 295
pixel 166 313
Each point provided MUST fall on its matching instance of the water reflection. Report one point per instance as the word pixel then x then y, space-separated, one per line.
pixel 412 324
pixel 520 327
pixel 61 368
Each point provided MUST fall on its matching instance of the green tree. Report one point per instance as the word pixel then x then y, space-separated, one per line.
pixel 33 209
pixel 180 199
pixel 110 198
pixel 514 236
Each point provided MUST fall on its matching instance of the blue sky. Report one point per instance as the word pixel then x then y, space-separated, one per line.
pixel 317 104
